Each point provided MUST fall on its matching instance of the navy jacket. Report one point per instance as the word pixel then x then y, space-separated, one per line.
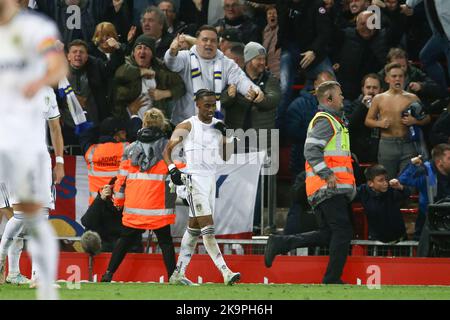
pixel 383 212
pixel 104 218
pixel 299 114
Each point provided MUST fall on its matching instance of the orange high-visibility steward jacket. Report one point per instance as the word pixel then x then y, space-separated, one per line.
pixel 148 202
pixel 103 161
pixel 337 157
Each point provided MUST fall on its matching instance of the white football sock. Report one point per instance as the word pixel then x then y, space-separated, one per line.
pixel 187 248
pixel 14 252
pixel 34 266
pixel 44 251
pixel 209 240
pixel 13 228
pixel 34 271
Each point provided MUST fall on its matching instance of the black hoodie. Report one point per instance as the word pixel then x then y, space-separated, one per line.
pixel 306 23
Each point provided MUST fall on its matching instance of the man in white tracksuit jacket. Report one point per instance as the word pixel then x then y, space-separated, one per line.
pixel 438 15
pixel 206 67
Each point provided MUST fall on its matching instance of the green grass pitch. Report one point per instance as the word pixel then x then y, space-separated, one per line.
pixel 154 291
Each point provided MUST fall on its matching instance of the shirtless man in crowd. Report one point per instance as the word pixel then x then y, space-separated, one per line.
pixel 387 112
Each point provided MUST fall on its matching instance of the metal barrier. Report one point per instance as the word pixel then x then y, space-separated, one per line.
pixel 271 196
pixel 377 248
pixel 70 150
pixel 257 244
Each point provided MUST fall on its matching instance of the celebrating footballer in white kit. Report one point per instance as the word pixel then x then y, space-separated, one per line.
pixel 203 138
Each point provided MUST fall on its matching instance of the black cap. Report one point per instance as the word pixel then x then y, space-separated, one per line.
pixel 110 126
pixel 232 35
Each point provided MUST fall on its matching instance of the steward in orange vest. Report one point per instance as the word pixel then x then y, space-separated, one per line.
pixel 142 189
pixel 103 158
pixel 142 186
pixel 335 157
pixel 330 185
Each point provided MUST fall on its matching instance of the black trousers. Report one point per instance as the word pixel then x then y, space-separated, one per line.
pixel 126 241
pixel 423 250
pixel 335 230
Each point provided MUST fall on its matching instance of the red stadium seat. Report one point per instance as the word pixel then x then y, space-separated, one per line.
pixel 298 87
pixel 413 211
pixel 364 165
pixel 361 231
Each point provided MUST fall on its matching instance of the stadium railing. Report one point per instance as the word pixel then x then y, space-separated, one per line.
pixel 269 191
pixel 257 244
pixel 70 150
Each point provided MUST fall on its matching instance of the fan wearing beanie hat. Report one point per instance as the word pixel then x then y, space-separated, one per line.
pixel 253 50
pixel 144 82
pixel 142 57
pixel 146 41
pixel 254 111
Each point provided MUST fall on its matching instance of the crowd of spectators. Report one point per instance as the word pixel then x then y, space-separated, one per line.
pixel 127 56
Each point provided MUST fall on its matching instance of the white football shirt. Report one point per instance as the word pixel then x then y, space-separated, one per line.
pixel 26 39
pixel 49 111
pixel 202 147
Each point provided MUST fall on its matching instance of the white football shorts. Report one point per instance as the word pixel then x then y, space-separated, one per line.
pixel 27 174
pixel 201 195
